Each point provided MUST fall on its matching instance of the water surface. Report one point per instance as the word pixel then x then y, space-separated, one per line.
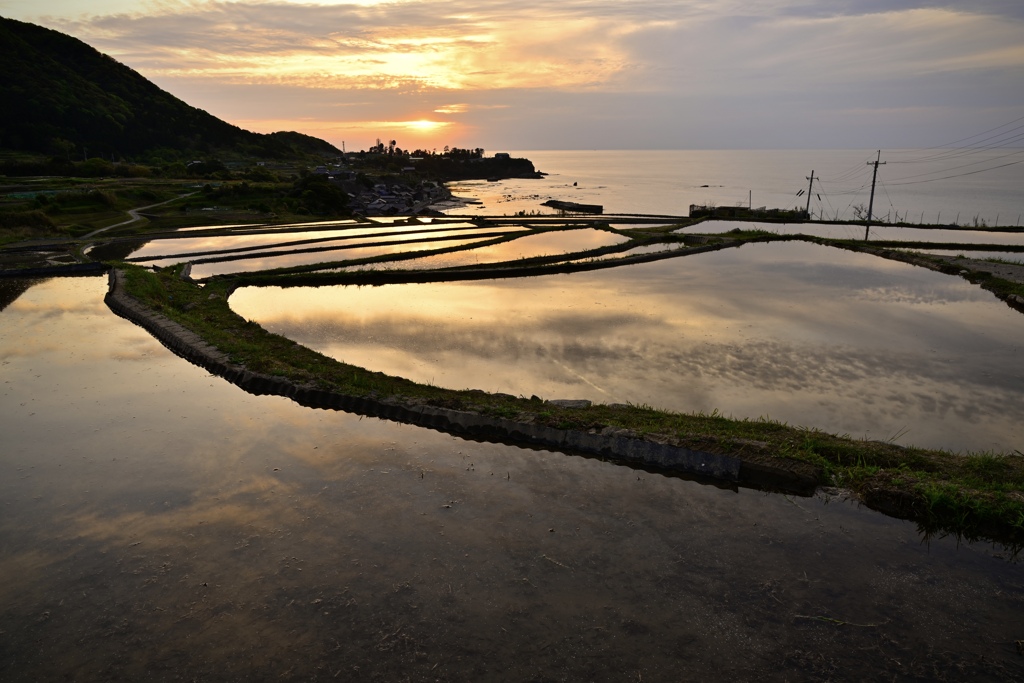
pixel 669 181
pixel 855 232
pixel 160 524
pixel 553 243
pixel 184 246
pixel 797 332
pixel 289 258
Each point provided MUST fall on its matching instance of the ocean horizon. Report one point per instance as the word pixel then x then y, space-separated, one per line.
pixel 965 186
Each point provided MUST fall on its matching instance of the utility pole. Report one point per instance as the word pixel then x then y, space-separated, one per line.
pixel 808 209
pixel 871 202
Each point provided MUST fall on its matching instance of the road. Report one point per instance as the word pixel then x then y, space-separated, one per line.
pixel 134 213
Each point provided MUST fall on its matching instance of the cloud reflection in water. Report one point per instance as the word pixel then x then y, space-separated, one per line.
pixel 796 332
pixel 157 520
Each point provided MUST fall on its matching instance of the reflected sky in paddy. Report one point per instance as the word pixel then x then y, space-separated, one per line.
pixel 229 226
pixel 161 524
pixel 797 332
pixel 544 244
pixel 856 232
pixel 472 257
pixel 288 259
pixel 186 245
pixel 637 251
pixel 344 244
pixel 264 226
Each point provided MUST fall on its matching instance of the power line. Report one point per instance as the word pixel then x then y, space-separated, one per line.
pixel 960 175
pixel 891 205
pixel 832 208
pixel 985 132
pixel 857 190
pixel 994 138
pixel 848 174
pixel 994 142
pixel 955 152
pixel 953 168
pixel 827 200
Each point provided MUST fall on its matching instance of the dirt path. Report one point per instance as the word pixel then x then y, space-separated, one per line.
pixel 134 213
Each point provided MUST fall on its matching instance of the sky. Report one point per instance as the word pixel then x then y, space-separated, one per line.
pixel 574 74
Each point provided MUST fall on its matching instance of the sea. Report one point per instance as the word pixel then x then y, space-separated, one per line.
pixel 946 186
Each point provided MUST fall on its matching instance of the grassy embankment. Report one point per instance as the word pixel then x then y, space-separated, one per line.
pixel 976 495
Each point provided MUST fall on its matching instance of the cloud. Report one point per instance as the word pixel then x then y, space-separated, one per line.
pixel 710 48
pixel 647 358
pixel 534 74
pixel 452 109
pixel 405 45
pixel 785 54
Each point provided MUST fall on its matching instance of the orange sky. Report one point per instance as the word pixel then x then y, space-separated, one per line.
pixel 574 75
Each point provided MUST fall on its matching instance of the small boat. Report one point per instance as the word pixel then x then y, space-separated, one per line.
pixel 573 206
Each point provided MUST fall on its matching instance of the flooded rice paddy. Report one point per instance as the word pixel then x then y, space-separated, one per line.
pixel 797 332
pixel 282 239
pixel 529 246
pixel 252 250
pixel 877 233
pixel 160 524
pixel 291 258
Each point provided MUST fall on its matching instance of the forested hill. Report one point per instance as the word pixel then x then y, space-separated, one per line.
pixel 60 96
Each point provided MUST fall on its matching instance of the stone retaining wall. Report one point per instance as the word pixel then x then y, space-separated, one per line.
pixel 627 450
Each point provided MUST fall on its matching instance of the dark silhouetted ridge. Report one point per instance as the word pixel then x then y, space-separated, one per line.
pixel 61 96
